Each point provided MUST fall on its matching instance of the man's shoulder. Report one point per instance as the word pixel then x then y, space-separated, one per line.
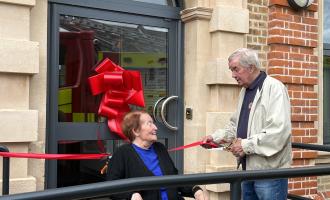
pixel 271 81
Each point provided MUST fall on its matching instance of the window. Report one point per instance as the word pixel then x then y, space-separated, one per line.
pixel 326 73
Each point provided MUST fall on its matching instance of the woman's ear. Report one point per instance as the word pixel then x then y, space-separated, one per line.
pixel 136 132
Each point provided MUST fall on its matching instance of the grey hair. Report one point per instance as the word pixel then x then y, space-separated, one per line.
pixel 247 57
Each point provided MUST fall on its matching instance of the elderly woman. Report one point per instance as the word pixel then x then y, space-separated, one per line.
pixel 144 156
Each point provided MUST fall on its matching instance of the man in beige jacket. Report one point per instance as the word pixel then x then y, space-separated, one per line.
pixel 259 132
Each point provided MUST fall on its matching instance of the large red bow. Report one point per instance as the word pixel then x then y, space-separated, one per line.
pixel 120 87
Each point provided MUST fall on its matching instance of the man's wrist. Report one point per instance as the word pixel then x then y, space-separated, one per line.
pixel 196 188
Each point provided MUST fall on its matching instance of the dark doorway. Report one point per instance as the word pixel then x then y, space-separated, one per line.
pixel 135 35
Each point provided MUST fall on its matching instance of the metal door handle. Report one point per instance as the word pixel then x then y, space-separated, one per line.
pixel 154 111
pixel 162 113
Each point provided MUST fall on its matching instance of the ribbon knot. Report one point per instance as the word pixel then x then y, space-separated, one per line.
pixel 120 88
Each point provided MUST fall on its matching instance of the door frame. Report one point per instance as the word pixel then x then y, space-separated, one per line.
pixel 107 7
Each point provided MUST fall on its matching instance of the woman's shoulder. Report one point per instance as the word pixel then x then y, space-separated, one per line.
pixel 123 148
pixel 159 145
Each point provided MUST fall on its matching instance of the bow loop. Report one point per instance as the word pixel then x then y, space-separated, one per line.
pixel 120 87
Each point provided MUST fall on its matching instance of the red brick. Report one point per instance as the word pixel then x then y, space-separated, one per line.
pixel 274 24
pixel 309 184
pixel 298 132
pixel 298 192
pixel 296 139
pixel 296 154
pixel 297 185
pixel 298 162
pixel 311 81
pixel 310 110
pixel 278 2
pixel 313 103
pixel 310 65
pixel 277 40
pixel 297 41
pixel 280 47
pixel 284 79
pixel 307 125
pixel 297 72
pixel 296 26
pixel 309 140
pixel 309 154
pixel 309 95
pixel 310 21
pixel 297 56
pixel 298 102
pixel 313 131
pixel 313 73
pixel 306 50
pixel 296 110
pixel 296 80
pixel 297 117
pixel 275 70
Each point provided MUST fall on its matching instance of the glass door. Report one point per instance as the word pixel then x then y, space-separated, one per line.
pixel 82 37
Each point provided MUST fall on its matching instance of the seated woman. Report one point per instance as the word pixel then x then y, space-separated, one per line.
pixel 144 156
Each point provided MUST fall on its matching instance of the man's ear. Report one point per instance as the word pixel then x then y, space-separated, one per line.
pixel 252 68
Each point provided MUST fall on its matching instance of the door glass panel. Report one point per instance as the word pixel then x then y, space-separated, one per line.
pixel 84 42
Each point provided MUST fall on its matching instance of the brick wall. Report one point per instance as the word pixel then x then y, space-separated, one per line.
pixel 258 27
pixel 292 38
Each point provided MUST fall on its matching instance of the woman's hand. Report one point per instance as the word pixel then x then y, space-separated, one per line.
pixel 136 196
pixel 199 195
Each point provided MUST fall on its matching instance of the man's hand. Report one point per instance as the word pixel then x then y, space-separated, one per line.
pixel 136 196
pixel 199 195
pixel 206 142
pixel 236 148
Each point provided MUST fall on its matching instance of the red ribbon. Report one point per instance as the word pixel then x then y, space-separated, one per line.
pixel 86 156
pixel 55 156
pixel 186 146
pixel 119 87
pixel 199 143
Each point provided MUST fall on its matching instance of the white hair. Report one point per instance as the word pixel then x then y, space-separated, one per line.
pixel 247 57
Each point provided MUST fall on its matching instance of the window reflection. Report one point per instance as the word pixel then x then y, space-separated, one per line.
pixel 84 42
pixel 326 22
pixel 326 93
pixel 326 72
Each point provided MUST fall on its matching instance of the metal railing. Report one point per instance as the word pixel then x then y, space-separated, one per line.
pixel 5 171
pixel 234 178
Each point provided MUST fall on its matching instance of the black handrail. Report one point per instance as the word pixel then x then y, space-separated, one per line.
pixel 316 147
pixel 5 171
pixel 143 183
pixel 296 197
pixel 106 188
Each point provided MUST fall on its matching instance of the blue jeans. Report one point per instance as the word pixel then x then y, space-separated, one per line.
pixel 276 189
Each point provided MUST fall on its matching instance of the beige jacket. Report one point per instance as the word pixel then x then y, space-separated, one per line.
pixel 268 142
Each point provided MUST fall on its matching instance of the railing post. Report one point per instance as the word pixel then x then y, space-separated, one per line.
pixel 5 172
pixel 235 190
